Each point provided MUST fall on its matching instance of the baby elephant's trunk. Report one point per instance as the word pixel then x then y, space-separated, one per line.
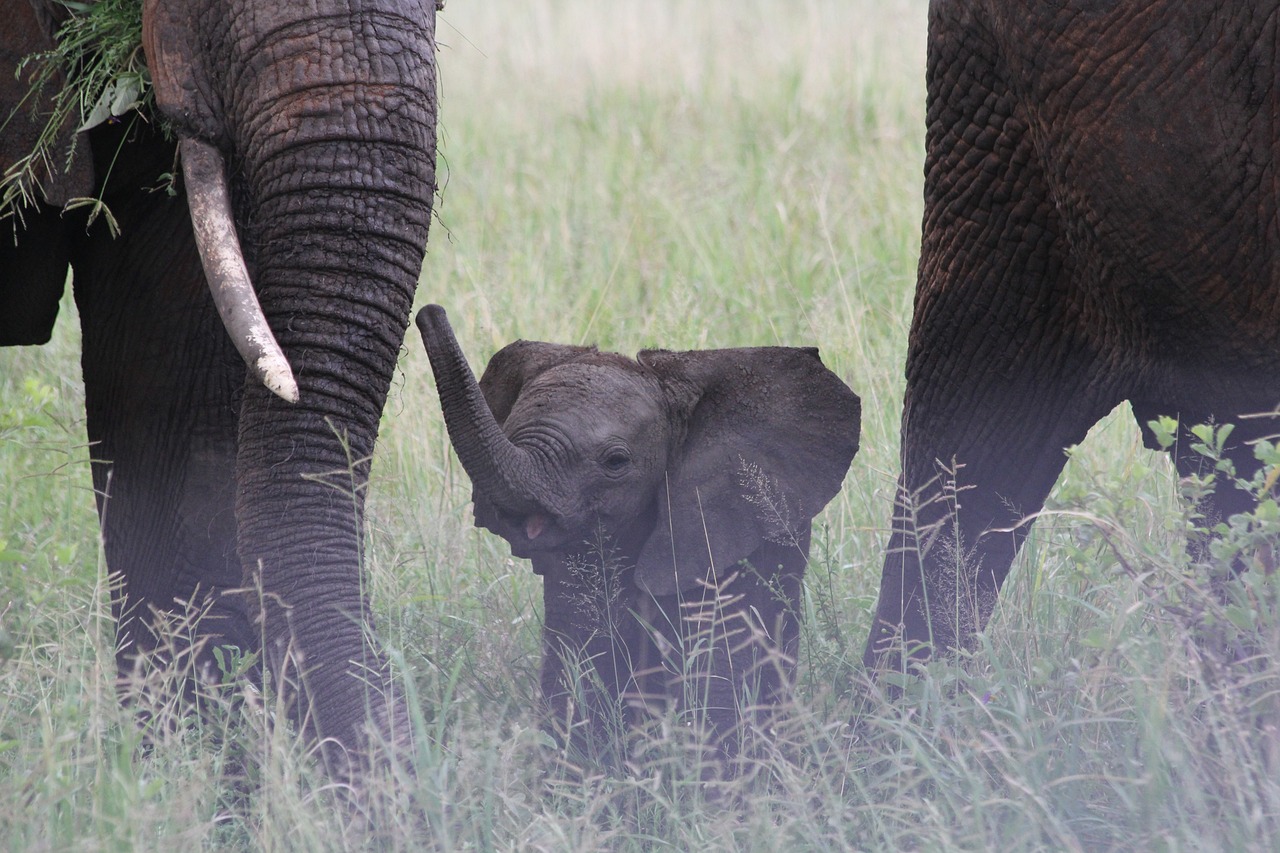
pixel 498 469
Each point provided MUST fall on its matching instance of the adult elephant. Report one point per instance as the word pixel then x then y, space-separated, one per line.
pixel 1100 226
pixel 315 124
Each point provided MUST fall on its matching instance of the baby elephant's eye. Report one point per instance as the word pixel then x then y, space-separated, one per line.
pixel 616 461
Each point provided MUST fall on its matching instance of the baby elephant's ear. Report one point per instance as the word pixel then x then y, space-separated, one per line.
pixel 770 433
pixel 517 364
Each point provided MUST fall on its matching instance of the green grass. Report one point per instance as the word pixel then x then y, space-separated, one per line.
pixel 686 174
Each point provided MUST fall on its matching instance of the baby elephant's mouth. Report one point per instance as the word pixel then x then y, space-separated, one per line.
pixel 534 525
pixel 529 534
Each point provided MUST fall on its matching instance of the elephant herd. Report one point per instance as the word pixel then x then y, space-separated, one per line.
pixel 1101 226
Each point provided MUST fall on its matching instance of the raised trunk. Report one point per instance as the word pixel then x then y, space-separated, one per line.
pixel 498 469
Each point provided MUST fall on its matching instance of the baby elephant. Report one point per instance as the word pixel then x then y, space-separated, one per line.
pixel 666 502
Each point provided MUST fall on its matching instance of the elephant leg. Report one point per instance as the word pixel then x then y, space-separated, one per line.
pixel 33 272
pixel 956 531
pixel 731 645
pixel 1245 656
pixel 757 637
pixel 160 377
pixel 1011 357
pixel 726 652
pixel 587 661
pixel 772 603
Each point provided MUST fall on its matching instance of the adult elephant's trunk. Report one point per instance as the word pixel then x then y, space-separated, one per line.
pixel 337 268
pixel 326 114
pixel 498 469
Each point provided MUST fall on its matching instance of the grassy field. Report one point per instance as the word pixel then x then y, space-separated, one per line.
pixel 685 174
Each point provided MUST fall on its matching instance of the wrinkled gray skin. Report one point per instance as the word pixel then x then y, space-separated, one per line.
pixel 324 113
pixel 1100 226
pixel 643 491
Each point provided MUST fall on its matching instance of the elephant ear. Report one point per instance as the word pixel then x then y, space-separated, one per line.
pixel 770 433
pixel 517 364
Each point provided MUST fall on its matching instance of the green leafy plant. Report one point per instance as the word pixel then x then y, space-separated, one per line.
pixel 98 53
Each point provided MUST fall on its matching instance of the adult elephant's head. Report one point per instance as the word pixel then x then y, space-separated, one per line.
pixel 306 137
pixel 325 113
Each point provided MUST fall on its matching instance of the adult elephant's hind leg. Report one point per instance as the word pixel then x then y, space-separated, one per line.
pixel 1002 374
pixel 958 524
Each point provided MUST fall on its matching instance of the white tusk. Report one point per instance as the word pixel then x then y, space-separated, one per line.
pixel 204 172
